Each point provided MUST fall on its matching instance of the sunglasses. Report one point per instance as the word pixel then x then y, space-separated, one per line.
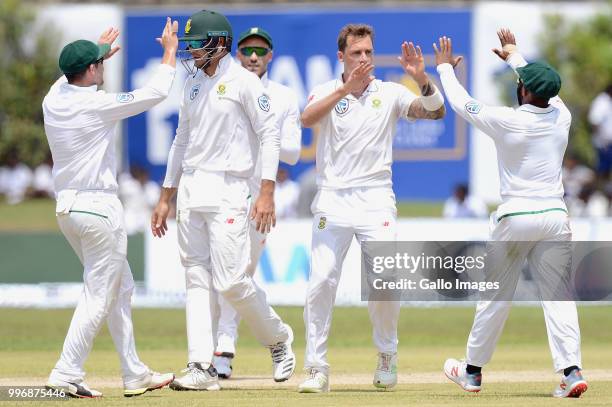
pixel 259 51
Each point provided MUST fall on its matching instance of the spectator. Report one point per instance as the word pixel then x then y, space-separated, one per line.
pixel 42 185
pixel 600 118
pixel 591 203
pixel 286 195
pixel 463 205
pixel 15 179
pixel 575 176
pixel 139 196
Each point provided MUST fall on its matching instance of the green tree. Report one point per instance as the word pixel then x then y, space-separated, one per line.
pixel 582 52
pixel 25 76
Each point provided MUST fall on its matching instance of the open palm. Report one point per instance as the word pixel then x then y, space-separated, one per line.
pixel 412 59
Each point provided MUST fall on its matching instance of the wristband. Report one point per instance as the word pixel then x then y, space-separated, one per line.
pixel 433 102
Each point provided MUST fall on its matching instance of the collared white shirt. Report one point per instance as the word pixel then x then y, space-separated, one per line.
pixel 223 119
pixel 530 142
pixel 284 103
pixel 354 146
pixel 80 127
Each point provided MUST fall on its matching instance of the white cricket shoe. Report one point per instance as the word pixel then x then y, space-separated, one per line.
pixel 197 378
pixel 76 389
pixel 316 382
pixel 385 376
pixel 222 361
pixel 152 381
pixel 455 370
pixel 283 358
pixel 572 385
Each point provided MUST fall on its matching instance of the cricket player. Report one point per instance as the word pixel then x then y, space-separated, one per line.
pixel 530 142
pixel 357 115
pixel 255 53
pixel 224 117
pixel 80 123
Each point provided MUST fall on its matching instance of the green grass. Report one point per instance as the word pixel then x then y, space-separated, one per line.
pixel 31 340
pixel 39 215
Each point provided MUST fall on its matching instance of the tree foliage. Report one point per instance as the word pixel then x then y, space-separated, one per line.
pixel 27 69
pixel 582 52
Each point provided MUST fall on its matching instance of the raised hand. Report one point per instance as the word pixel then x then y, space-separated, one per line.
pixel 169 38
pixel 108 37
pixel 359 78
pixel 508 43
pixel 413 62
pixel 444 55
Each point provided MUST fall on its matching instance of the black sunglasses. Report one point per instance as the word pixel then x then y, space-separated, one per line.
pixel 259 51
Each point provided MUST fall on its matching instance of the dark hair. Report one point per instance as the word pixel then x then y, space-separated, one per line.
pixel 76 76
pixel 356 30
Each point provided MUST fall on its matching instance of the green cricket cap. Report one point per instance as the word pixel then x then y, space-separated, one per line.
pixel 256 32
pixel 206 24
pixel 540 79
pixel 78 55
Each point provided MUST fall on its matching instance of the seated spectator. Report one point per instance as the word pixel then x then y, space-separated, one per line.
pixel 139 196
pixel 591 203
pixel 600 118
pixel 463 205
pixel 42 185
pixel 15 179
pixel 575 176
pixel 286 195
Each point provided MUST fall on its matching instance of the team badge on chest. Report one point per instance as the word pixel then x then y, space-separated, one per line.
pixel 264 103
pixel 195 91
pixel 342 107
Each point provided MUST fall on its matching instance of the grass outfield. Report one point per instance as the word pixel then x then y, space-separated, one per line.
pixel 39 215
pixel 519 375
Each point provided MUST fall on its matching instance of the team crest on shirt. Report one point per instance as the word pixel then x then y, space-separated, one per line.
pixel 376 103
pixel 221 90
pixel 473 107
pixel 342 107
pixel 322 222
pixel 264 103
pixel 125 97
pixel 195 91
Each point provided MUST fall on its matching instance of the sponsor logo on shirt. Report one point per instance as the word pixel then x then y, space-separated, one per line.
pixel 125 97
pixel 376 103
pixel 195 91
pixel 221 90
pixel 322 222
pixel 473 107
pixel 264 103
pixel 342 106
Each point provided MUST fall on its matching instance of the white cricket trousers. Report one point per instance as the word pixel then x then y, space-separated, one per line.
pixel 227 328
pixel 214 251
pixel 368 214
pixel 94 229
pixel 561 316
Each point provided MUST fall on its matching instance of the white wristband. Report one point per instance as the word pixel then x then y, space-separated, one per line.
pixel 433 102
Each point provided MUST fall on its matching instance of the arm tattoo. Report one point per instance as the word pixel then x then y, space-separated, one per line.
pixel 417 111
pixel 427 89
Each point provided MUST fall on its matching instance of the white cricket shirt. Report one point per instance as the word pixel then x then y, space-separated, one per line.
pixel 354 146
pixel 284 103
pixel 80 127
pixel 223 119
pixel 530 143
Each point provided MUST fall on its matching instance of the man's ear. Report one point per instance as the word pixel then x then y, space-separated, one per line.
pixel 340 56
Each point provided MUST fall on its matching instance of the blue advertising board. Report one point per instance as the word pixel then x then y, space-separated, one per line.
pixel 430 156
